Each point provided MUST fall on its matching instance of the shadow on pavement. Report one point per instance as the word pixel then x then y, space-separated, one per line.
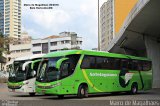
pixel 53 97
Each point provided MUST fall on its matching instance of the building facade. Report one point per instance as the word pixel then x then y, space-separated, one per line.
pixel 12 18
pixel 20 47
pixel 19 50
pixel 106 24
pixel 112 16
pixel 27 46
pixel 2 16
pixel 65 41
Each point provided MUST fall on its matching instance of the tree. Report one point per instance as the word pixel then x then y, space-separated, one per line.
pixel 1 44
pixel 65 49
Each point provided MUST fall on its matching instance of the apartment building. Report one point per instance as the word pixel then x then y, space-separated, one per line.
pixel 106 24
pixel 12 18
pixel 20 47
pixel 1 16
pixel 63 41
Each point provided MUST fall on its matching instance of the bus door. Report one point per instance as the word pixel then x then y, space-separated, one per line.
pixel 67 73
pixel 124 75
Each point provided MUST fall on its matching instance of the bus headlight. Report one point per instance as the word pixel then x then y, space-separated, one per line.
pixel 57 84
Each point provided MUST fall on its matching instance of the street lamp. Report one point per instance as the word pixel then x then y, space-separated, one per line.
pixel 98 29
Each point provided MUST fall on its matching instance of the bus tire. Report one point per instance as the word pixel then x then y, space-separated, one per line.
pixel 82 91
pixel 60 96
pixel 134 89
pixel 32 94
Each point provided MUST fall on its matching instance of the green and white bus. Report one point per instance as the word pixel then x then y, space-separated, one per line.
pixel 22 75
pixel 83 72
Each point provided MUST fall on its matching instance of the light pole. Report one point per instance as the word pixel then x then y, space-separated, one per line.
pixel 98 29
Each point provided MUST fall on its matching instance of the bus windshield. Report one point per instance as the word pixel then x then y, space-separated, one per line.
pixel 17 74
pixel 47 71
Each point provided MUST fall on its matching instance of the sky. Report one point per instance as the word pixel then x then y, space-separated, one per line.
pixel 78 16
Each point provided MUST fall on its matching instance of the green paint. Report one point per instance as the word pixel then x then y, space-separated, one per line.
pixel 98 80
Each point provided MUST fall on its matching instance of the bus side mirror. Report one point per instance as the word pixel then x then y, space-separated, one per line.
pixel 59 62
pixel 33 73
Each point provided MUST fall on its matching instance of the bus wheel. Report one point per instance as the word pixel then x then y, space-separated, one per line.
pixel 32 94
pixel 134 88
pixel 60 96
pixel 82 91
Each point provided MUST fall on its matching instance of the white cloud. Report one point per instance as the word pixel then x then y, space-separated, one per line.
pixel 79 16
pixel 49 19
pixel 35 34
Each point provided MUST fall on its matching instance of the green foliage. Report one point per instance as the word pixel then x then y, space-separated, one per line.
pixel 1 44
pixel 4 44
pixel 65 49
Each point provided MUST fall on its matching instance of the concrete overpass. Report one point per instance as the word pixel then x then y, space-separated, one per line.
pixel 140 35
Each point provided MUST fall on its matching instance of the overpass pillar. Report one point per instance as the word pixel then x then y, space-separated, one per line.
pixel 153 52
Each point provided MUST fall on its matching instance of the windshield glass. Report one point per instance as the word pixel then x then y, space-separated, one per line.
pixel 17 74
pixel 47 71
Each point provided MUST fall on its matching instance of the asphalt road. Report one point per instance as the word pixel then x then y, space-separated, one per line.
pixel 143 98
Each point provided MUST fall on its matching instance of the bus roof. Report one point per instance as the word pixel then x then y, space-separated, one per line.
pixel 91 52
pixel 29 57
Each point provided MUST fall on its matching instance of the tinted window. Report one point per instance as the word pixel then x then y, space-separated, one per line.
pixel 135 65
pixel 140 66
pixel 124 63
pixel 109 63
pixel 117 64
pixel 146 65
pixel 88 62
pixel 97 62
pixel 68 66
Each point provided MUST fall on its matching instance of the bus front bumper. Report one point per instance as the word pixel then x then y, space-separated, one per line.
pixel 54 91
pixel 22 89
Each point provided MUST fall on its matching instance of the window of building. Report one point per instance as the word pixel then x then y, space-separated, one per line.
pixel 37 45
pixel 37 52
pixel 67 41
pixel 45 48
pixel 62 42
pixel 53 50
pixel 53 43
pixel 17 51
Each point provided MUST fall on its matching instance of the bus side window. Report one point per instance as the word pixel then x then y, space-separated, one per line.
pixel 73 60
pixel 64 69
pixel 146 65
pixel 100 63
pixel 117 64
pixel 134 65
pixel 88 62
pixel 36 66
pixel 68 66
pixel 28 69
pixel 140 65
pixel 110 63
pixel 124 64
